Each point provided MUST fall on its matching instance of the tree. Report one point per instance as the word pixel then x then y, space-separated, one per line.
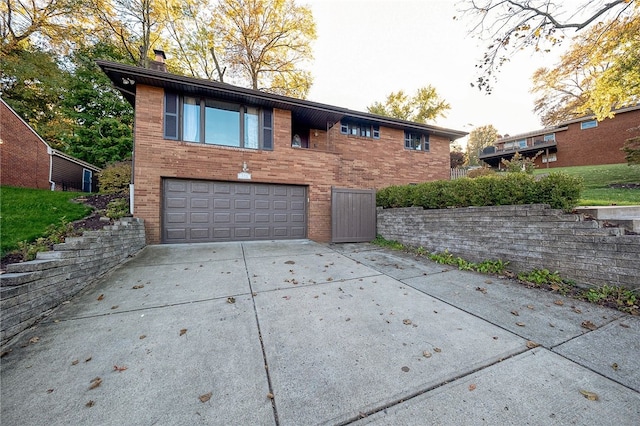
pixel 134 25
pixel 600 72
pixel 265 43
pixel 426 105
pixel 52 23
pixel 456 159
pixel 510 26
pixel 33 84
pixel 102 119
pixel 479 138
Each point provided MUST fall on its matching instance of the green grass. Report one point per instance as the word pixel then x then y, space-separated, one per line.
pixel 597 180
pixel 25 214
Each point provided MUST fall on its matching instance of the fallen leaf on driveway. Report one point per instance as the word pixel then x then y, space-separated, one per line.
pixel 472 387
pixel 142 336
pixel 614 366
pixel 405 369
pixel 406 321
pixel 286 297
pixel 270 395
pixel 205 397
pixel 75 362
pixel 95 383
pixel 531 344
pixel 514 312
pixel 530 307
pixel 576 310
pixel 289 262
pixel 624 325
pixel 231 300
pixel 137 287
pixel 559 302
pixel 520 324
pixel 50 390
pixel 100 297
pixel 426 354
pixel 589 395
pixel 88 359
pixel 114 307
pixel 437 350
pixel 90 404
pixel 183 331
pixel 483 290
pixel 589 325
pixel 119 369
pixel 34 339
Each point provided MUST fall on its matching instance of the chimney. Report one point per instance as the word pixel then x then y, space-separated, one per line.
pixel 158 64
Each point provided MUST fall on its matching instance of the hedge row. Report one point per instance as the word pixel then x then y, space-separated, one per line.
pixel 559 190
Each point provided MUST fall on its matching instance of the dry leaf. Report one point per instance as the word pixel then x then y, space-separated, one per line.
pixel 88 359
pixel 483 290
pixel 559 302
pixel 142 336
pixel 426 354
pixel 289 262
pixel 589 325
pixel 205 397
pixel 101 297
pixel 137 287
pixel 555 287
pixel 614 366
pixel 405 369
pixel 514 312
pixel 531 344
pixel 576 310
pixel 183 331
pixel 472 387
pixel 406 321
pixel 286 297
pixel 231 300
pixel 95 383
pixel 530 307
pixel 114 307
pixel 624 325
pixel 589 395
pixel 520 324
pixel 49 390
pixel 34 339
pixel 90 404
pixel 270 395
pixel 116 368
pixel 488 281
pixel 75 362
pixel 329 279
pixel 437 350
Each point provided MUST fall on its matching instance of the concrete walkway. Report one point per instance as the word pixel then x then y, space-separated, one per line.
pixel 296 333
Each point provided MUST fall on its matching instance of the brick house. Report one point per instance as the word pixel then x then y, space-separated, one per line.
pixel 216 162
pixel 28 161
pixel 583 141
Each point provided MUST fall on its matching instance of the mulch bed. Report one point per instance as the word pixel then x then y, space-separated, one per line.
pixel 93 222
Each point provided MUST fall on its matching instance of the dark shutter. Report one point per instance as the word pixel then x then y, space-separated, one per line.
pixel 267 129
pixel 170 116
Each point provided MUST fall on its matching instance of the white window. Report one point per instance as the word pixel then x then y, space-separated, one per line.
pixel 588 124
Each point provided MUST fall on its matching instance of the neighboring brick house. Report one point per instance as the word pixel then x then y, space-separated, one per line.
pixel 28 161
pixel 583 141
pixel 216 162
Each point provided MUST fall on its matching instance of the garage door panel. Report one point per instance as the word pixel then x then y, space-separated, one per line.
pixel 198 211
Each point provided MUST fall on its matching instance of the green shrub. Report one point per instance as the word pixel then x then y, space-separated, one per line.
pixel 559 190
pixel 482 171
pixel 631 150
pixel 117 208
pixel 115 178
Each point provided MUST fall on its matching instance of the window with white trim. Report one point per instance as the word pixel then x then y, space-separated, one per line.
pixel 212 122
pixel 416 141
pixel 589 124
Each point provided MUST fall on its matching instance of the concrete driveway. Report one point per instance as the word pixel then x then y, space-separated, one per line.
pixel 294 333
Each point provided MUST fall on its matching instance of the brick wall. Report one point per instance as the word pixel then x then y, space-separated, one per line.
pixel 28 290
pixel 333 159
pixel 532 236
pixel 23 156
pixel 598 145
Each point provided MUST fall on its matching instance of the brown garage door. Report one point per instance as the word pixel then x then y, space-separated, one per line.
pixel 202 211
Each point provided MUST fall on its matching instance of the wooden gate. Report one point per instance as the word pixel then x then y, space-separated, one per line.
pixel 353 215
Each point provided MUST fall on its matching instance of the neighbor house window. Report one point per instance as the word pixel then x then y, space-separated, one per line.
pixel 549 158
pixel 551 137
pixel 359 129
pixel 588 124
pixel 416 141
pixel 214 122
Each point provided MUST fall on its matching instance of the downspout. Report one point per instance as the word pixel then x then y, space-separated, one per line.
pixel 52 184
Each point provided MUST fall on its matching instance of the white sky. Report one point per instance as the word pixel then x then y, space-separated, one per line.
pixel 368 48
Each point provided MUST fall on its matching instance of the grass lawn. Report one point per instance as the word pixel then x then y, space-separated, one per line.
pixel 597 180
pixel 25 214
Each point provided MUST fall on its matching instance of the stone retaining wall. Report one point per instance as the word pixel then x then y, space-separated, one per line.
pixel 29 289
pixel 529 237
